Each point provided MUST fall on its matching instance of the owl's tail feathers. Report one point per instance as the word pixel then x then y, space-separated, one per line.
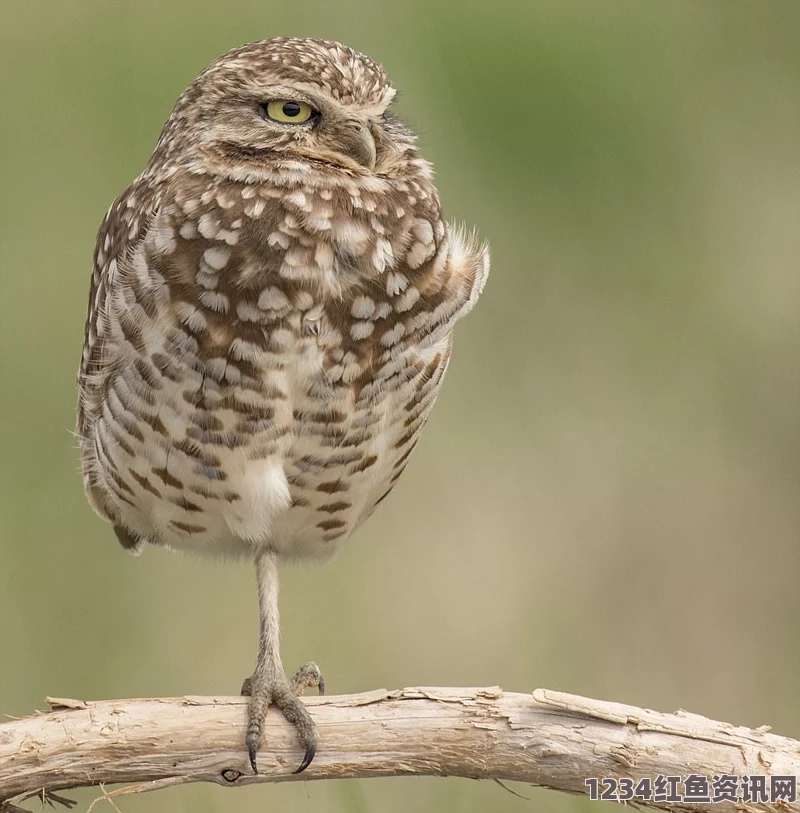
pixel 133 544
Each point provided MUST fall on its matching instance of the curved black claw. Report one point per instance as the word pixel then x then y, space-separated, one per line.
pixel 252 750
pixel 311 750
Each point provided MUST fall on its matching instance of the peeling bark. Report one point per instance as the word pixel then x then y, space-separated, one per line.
pixel 546 738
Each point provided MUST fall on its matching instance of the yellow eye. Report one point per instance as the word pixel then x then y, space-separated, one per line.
pixel 288 112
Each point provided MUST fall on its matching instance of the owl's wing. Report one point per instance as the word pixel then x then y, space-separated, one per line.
pixel 451 290
pixel 449 287
pixel 123 229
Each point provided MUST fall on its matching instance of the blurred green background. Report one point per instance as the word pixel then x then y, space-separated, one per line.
pixel 607 499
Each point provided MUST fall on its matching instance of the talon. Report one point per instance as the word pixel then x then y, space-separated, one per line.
pixel 252 750
pixel 311 750
pixel 277 691
pixel 321 686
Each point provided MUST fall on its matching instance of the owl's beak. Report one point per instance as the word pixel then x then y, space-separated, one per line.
pixel 356 141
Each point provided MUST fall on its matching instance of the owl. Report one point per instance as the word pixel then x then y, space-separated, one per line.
pixel 270 319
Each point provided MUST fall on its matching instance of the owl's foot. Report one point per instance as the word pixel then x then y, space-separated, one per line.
pixel 307 676
pixel 273 688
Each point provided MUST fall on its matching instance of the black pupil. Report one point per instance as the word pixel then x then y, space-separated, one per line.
pixel 291 109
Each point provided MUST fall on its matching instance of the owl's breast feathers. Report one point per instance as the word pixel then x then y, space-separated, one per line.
pixel 260 357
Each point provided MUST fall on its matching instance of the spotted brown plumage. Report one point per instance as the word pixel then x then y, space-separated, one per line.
pixel 270 319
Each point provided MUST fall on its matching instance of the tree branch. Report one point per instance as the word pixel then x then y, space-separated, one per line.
pixel 545 738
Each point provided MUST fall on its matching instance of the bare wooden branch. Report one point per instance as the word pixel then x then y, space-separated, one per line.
pixel 546 738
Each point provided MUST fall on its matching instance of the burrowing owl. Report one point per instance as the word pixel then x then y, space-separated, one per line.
pixel 270 319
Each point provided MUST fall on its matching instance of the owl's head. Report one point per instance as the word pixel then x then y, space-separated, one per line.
pixel 290 102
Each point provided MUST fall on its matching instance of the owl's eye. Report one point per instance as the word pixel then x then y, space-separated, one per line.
pixel 287 111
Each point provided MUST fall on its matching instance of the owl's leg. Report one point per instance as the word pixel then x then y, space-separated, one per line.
pixel 269 684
